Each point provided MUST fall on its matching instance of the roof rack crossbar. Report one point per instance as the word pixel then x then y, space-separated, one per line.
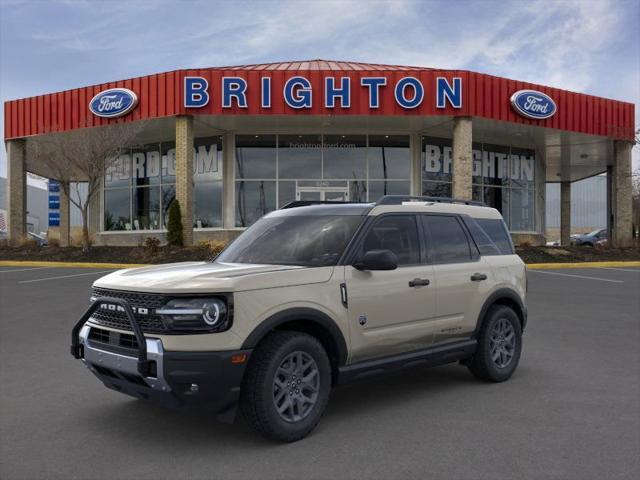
pixel 399 199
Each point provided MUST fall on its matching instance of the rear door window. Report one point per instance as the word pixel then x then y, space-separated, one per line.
pixel 448 242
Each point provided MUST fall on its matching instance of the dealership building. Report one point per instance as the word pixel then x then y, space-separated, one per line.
pixel 233 143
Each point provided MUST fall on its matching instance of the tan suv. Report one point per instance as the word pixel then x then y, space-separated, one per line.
pixel 310 296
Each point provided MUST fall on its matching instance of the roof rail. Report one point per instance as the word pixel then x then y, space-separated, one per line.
pixel 306 203
pixel 399 199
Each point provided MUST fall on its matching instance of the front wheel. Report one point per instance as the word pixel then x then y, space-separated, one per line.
pixel 287 385
pixel 499 345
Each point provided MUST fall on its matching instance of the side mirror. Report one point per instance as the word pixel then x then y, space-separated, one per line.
pixel 377 260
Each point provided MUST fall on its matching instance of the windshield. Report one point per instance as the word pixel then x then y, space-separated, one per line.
pixel 594 233
pixel 310 241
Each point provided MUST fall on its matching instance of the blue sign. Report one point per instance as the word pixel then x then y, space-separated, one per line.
pixel 54 187
pixel 54 203
pixel 54 219
pixel 533 104
pixel 114 102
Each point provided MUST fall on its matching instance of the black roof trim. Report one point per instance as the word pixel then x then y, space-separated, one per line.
pixel 304 207
pixel 399 199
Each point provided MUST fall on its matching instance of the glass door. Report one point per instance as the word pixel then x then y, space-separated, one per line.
pixel 322 192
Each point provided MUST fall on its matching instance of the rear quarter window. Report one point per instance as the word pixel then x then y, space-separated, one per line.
pixel 497 231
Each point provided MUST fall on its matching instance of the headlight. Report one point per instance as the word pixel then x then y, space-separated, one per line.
pixel 193 314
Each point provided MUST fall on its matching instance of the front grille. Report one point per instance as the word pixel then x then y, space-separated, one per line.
pixel 123 343
pixel 150 322
pixel 126 340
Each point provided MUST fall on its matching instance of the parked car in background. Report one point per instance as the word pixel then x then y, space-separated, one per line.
pixel 40 239
pixel 591 239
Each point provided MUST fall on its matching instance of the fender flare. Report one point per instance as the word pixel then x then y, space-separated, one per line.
pixel 502 294
pixel 312 315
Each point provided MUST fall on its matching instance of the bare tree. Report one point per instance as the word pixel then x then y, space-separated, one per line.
pixel 82 156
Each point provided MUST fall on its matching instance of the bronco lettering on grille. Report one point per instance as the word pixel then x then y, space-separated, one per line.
pixel 118 308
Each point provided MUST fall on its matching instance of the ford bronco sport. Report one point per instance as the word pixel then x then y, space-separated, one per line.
pixel 310 296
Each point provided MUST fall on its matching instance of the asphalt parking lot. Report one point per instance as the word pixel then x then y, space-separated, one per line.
pixel 572 410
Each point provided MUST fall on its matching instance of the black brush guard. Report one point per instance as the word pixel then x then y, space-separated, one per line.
pixel 144 365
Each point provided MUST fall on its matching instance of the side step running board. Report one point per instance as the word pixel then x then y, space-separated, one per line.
pixel 438 355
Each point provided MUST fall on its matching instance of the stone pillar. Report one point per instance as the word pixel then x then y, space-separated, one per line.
pixel 228 180
pixel 462 158
pixel 610 199
pixel 565 213
pixel 16 191
pixel 621 185
pixel 184 174
pixel 65 215
pixel 415 147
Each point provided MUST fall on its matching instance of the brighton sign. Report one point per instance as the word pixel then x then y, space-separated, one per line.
pixel 298 93
pixel 533 104
pixel 113 103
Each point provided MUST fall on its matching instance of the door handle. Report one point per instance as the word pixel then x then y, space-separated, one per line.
pixel 478 277
pixel 418 282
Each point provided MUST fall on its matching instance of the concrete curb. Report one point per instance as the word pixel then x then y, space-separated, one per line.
pixel 532 266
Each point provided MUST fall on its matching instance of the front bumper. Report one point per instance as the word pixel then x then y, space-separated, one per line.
pixel 208 380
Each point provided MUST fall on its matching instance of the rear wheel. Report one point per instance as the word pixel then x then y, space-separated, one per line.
pixel 499 345
pixel 287 385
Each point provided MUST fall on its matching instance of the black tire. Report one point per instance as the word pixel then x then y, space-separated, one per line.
pixel 484 365
pixel 258 393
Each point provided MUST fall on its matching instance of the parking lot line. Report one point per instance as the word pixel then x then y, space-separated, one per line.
pixel 578 276
pixel 63 276
pixel 637 270
pixel 23 269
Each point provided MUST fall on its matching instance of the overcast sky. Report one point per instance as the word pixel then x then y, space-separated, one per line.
pixel 581 45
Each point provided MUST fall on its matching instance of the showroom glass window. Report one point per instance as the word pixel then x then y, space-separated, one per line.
pixel 273 170
pixel 207 182
pixel 437 167
pixel 140 186
pixel 503 177
pixel 255 177
pixel 117 194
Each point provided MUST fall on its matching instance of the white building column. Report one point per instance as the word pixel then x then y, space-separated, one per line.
pixel 462 158
pixel 228 180
pixel 415 147
pixel 621 234
pixel 565 213
pixel 184 174
pixel 16 191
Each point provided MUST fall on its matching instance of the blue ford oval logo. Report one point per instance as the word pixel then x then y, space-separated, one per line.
pixel 114 102
pixel 533 104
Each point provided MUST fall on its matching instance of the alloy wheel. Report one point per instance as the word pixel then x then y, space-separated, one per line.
pixel 296 385
pixel 502 343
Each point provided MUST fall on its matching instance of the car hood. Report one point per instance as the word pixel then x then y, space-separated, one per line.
pixel 199 277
